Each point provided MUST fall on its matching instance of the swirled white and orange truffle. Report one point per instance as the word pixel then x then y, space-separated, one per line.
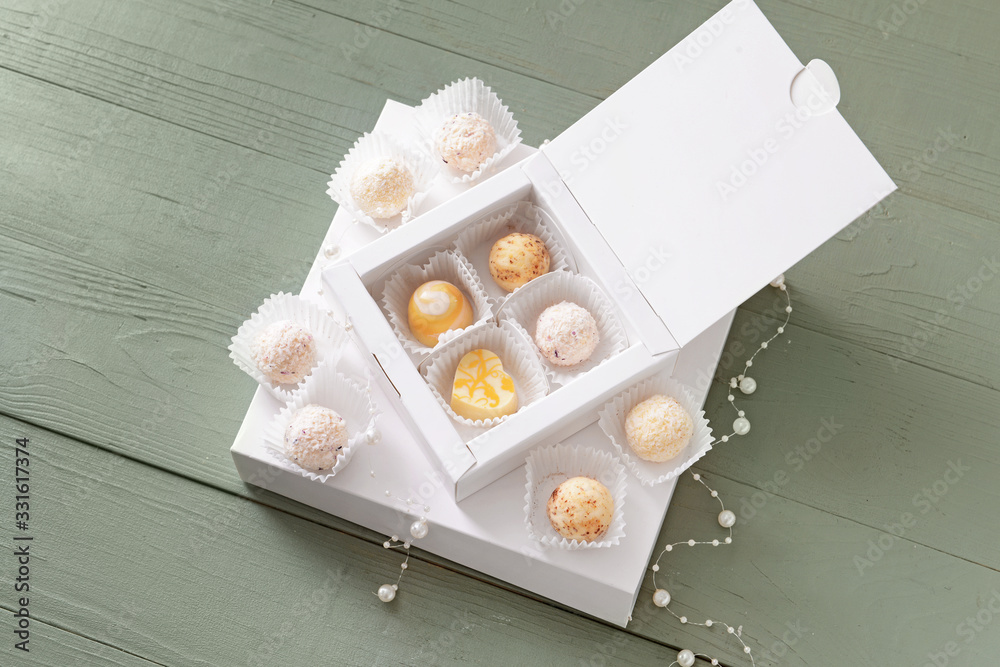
pixel 435 307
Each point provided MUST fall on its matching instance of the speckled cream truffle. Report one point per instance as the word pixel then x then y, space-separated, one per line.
pixel 517 259
pixel 658 428
pixel 381 188
pixel 284 352
pixel 566 334
pixel 581 509
pixel 465 141
pixel 314 437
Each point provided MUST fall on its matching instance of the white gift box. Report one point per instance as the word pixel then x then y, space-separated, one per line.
pixel 680 195
pixel 486 530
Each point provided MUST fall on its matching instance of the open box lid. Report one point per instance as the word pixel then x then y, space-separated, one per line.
pixel 706 178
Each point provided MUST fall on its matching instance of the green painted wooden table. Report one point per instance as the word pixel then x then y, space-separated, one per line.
pixel 164 169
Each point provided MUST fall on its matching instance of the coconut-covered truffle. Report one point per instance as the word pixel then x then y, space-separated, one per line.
pixel 465 141
pixel 381 188
pixel 658 428
pixel 581 508
pixel 284 352
pixel 517 259
pixel 566 334
pixel 314 437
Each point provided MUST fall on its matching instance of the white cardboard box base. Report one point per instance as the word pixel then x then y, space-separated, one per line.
pixel 485 531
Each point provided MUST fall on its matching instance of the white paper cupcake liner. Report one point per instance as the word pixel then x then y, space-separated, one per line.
pixel 349 397
pixel 476 241
pixel 327 331
pixel 548 467
pixel 612 420
pixel 462 97
pixel 518 359
pixel 526 304
pixel 444 265
pixel 374 146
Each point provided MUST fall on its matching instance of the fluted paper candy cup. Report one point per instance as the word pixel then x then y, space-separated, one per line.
pixel 444 265
pixel 328 333
pixel 519 362
pixel 347 396
pixel 466 95
pixel 372 147
pixel 527 303
pixel 548 467
pixel 612 421
pixel 475 242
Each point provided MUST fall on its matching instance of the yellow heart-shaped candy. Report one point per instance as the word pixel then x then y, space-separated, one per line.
pixel 482 390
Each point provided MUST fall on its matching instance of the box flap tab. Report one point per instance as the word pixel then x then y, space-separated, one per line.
pixel 718 167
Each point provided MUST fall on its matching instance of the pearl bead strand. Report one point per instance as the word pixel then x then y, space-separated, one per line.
pixel 746 384
pixel 662 597
pixel 726 518
pixel 418 529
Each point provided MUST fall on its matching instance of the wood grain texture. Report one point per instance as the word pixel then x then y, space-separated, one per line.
pixel 50 646
pixel 164 353
pixel 239 93
pixel 163 170
pixel 150 577
pixel 183 574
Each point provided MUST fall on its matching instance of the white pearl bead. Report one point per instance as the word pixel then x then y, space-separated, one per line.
pixel 685 658
pixel 715 494
pixel 788 309
pixel 385 544
pixel 419 529
pixel 727 519
pixel 781 329
pixel 763 345
pixel 779 281
pixel 749 363
pixel 669 547
pixel 403 566
pixel 386 592
pixel 714 661
pixel 715 543
pixel 741 426
pixel 708 623
pixel 683 619
pixel 748 385
pixel 746 649
pixel 729 540
pixel 655 568
pixel 661 597
pixel 731 398
pixel 724 438
pixel 690 543
pixel 732 383
pixel 696 476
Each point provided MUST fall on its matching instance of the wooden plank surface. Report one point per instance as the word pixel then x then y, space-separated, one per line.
pixel 164 169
